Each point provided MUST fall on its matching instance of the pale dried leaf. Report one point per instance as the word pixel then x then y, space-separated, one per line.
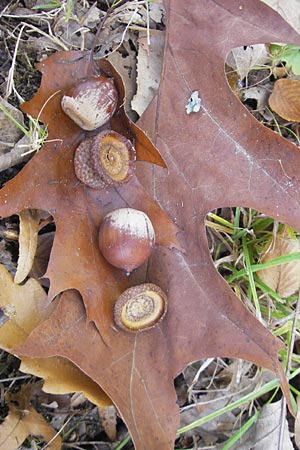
pixel 61 377
pixel 23 308
pixel 10 133
pixel 90 16
pixel 244 59
pixel 261 94
pixel 29 227
pixel 71 33
pixel 20 424
pixel 108 416
pixel 157 12
pixel 16 154
pixel 149 69
pixel 288 9
pixel 126 67
pixel 284 278
pixel 265 433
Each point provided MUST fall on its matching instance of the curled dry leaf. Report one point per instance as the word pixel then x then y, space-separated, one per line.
pixel 41 260
pixel 149 56
pixel 284 278
pixel 29 226
pixel 24 308
pixel 285 99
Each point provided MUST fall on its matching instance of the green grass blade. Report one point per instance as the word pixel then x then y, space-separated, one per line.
pixel 284 259
pixel 237 436
pixel 247 398
pixel 250 275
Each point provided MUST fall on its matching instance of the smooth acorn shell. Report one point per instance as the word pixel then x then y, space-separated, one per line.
pixel 91 102
pixel 126 238
pixel 140 307
pixel 105 160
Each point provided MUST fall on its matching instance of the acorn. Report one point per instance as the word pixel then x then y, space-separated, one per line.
pixel 105 160
pixel 126 238
pixel 91 102
pixel 140 308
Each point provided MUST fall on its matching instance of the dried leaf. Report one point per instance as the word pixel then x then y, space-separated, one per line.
pixel 149 56
pixel 24 308
pixel 266 432
pixel 16 154
pixel 217 157
pixel 261 94
pixel 108 416
pixel 288 9
pixel 125 65
pixel 62 377
pixel 41 260
pixel 20 424
pixel 246 58
pixel 285 99
pixel 10 133
pixel 76 262
pixel 29 226
pixel 23 421
pixel 284 278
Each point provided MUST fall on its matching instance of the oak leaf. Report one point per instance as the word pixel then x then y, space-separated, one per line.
pixel 76 261
pixel 23 309
pixel 217 157
pixel 23 420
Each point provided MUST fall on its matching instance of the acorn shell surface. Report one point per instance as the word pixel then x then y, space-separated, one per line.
pixel 126 238
pixel 140 308
pixel 105 160
pixel 91 102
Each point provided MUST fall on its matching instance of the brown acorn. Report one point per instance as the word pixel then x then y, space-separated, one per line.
pixel 126 238
pixel 105 160
pixel 140 307
pixel 91 102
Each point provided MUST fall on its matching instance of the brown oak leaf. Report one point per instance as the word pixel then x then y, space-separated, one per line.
pixel 48 182
pixel 219 156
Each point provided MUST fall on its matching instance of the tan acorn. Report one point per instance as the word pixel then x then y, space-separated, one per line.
pixel 105 160
pixel 126 238
pixel 140 308
pixel 91 102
